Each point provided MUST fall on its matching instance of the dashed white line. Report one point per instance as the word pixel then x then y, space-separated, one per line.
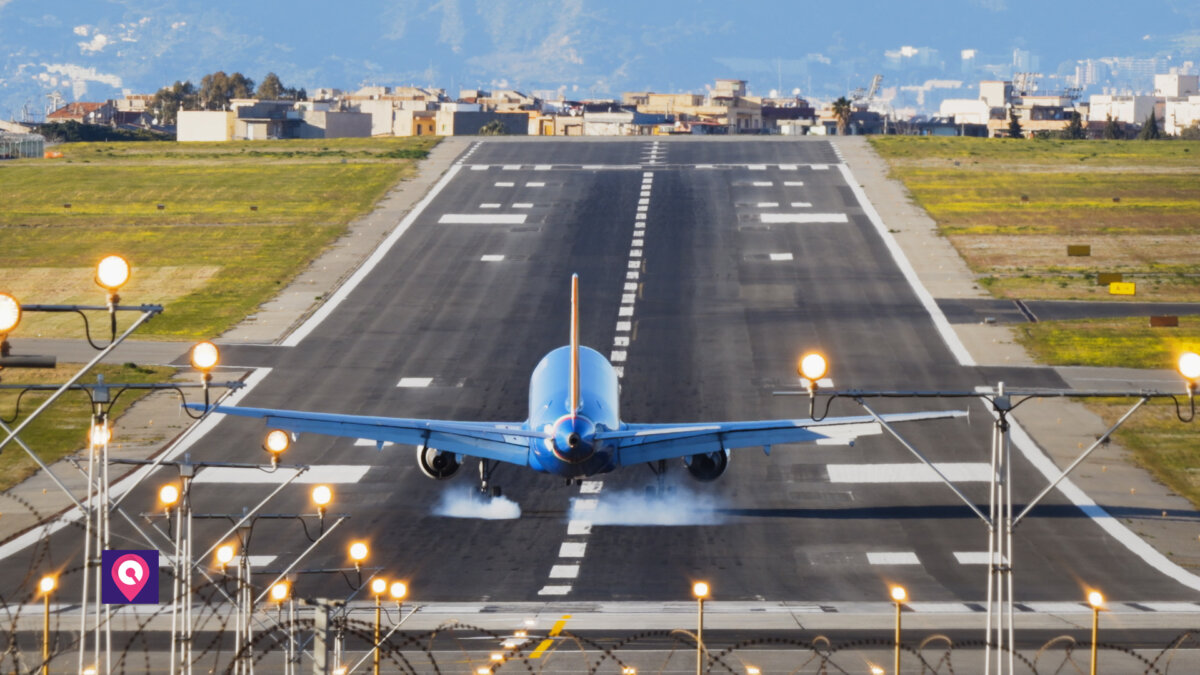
pixel 542 167
pixel 801 205
pixel 322 473
pixel 767 205
pixel 974 557
pixel 957 472
pixel 892 558
pixel 803 218
pixel 504 184
pixel 535 184
pixel 820 167
pixel 635 253
pixel 617 357
pixel 511 167
pixel 523 205
pixel 491 257
pixel 621 341
pixel 415 382
pixel 490 205
pixel 793 183
pixel 479 167
pixel 554 590
pixel 781 257
pixel 625 311
pixel 571 549
pixel 787 167
pixel 482 219
pixel 762 183
pixel 624 326
pixel 756 167
pixel 638 242
pixel 564 571
pixel 576 528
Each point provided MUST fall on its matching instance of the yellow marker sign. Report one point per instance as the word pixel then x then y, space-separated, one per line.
pixel 1122 288
pixel 554 631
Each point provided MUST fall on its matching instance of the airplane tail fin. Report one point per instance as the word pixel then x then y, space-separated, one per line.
pixel 574 343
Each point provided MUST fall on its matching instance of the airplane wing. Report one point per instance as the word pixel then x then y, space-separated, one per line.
pixel 500 441
pixel 638 443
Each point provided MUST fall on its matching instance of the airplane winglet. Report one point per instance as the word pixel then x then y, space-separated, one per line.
pixel 574 344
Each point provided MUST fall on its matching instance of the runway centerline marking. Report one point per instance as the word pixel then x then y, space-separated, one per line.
pixel 491 257
pixel 781 257
pixel 504 184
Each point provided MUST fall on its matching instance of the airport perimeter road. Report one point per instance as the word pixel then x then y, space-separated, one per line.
pixel 751 252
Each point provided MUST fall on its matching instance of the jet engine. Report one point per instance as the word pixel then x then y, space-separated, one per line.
pixel 707 466
pixel 437 464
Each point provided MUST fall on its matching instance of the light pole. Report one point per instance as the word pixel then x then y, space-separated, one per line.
pixel 812 367
pixel 168 496
pixel 46 586
pixel 379 586
pixel 1096 600
pixel 275 443
pixel 700 590
pixel 899 595
pixel 281 591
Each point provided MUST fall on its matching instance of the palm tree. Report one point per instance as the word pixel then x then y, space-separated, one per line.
pixel 842 111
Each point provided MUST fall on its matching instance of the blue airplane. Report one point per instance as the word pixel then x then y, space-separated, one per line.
pixel 574 429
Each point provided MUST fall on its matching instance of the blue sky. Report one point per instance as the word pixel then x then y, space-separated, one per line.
pixel 93 49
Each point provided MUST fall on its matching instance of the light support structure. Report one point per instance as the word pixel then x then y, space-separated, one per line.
pixel 899 595
pixel 1000 520
pixel 701 590
pixel 46 587
pixel 1096 600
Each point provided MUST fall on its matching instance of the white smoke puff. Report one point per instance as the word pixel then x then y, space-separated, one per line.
pixel 676 508
pixel 466 503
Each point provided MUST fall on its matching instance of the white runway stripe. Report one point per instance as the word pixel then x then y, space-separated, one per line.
pixel 908 473
pixel 482 219
pixel 535 184
pixel 490 205
pixel 554 590
pixel 762 183
pixel 564 571
pixel 972 557
pixel 767 205
pixel 415 382
pixel 801 205
pixel 577 528
pixel 803 218
pixel 793 183
pixel 893 558
pixel 571 550
pixel 319 473
pixel 504 184
pixel 492 257
pixel 781 257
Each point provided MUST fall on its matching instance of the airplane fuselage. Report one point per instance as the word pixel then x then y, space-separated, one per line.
pixel 573 451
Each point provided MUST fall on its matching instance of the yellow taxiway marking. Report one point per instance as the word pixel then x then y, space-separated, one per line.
pixel 554 631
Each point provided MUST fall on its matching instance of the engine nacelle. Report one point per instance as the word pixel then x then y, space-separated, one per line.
pixel 707 466
pixel 437 464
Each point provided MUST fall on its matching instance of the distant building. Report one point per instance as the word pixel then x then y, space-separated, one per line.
pixel 1125 109
pixel 84 112
pixel 621 123
pixel 1180 113
pixel 452 122
pixel 255 120
pixel 1176 86
pixel 21 146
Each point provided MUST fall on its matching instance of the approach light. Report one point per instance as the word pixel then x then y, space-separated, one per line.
pixel 279 591
pixel 398 590
pixel 700 590
pixel 168 495
pixel 752 670
pixel 10 313
pixel 321 496
pixel 628 670
pixel 899 594
pixel 224 554
pixel 358 552
pixel 813 367
pixel 47 584
pixel 112 272
pixel 876 670
pixel 1096 599
pixel 277 441
pixel 497 657
pixel 205 356
pixel 378 585
pixel 1189 365
pixel 100 434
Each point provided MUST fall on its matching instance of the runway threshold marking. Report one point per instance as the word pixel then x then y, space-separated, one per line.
pixel 555 631
pixel 916 472
pixel 325 473
pixel 803 218
pixel 482 219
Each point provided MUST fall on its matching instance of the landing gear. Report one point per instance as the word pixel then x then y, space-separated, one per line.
pixel 659 469
pixel 486 490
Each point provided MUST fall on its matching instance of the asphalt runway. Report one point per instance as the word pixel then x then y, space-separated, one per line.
pixel 752 252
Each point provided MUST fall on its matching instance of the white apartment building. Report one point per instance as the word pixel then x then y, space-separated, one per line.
pixel 1124 109
pixel 1180 113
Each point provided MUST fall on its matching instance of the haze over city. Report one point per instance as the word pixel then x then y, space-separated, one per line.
pixel 578 49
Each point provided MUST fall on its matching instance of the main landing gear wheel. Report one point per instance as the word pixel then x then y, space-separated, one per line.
pixel 486 490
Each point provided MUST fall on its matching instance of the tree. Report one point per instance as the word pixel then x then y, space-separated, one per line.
pixel 1112 129
pixel 493 128
pixel 270 89
pixel 1149 130
pixel 1074 130
pixel 1014 124
pixel 1191 133
pixel 168 101
pixel 842 110
pixel 216 89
